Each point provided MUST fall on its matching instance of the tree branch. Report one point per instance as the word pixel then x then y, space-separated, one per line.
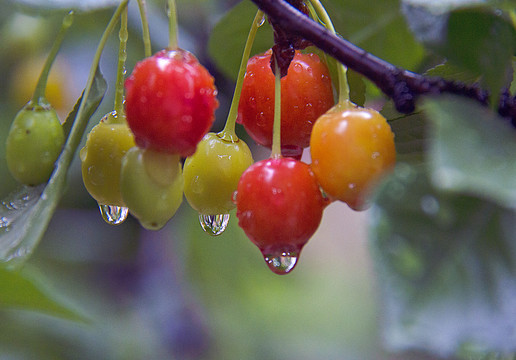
pixel 402 86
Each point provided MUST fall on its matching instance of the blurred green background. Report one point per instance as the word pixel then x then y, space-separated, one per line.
pixel 179 293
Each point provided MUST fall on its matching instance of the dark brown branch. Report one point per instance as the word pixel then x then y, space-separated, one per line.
pixel 402 86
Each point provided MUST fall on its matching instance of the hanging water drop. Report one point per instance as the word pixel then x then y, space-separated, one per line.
pixel 113 215
pixel 282 262
pixel 214 224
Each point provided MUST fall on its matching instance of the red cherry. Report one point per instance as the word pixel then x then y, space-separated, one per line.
pixel 170 102
pixel 306 94
pixel 279 206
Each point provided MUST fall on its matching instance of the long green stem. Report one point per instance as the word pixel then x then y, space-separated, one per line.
pixel 122 57
pixel 228 133
pixel 276 128
pixel 341 69
pixel 94 65
pixel 172 25
pixel 39 92
pixel 145 28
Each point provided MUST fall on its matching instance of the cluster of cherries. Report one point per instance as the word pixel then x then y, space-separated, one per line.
pixel 132 159
pixel 170 105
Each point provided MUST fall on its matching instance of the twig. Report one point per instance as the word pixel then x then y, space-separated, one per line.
pixel 402 86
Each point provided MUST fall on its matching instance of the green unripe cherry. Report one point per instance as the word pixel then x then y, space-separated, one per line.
pixel 101 159
pixel 33 144
pixel 211 174
pixel 152 186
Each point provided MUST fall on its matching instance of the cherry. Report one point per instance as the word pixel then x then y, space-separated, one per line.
pixel 212 173
pixel 151 184
pixel 33 144
pixel 170 102
pixel 351 148
pixel 101 159
pixel 279 207
pixel 306 93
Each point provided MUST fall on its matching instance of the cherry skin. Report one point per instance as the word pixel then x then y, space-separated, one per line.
pixel 211 174
pixel 101 160
pixel 279 207
pixel 306 94
pixel 170 102
pixel 351 149
pixel 33 144
pixel 151 184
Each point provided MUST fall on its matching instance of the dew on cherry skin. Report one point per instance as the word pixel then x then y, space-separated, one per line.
pixel 113 215
pixel 281 262
pixel 214 224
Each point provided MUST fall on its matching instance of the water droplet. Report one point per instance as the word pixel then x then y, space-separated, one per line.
pixel 429 205
pixel 261 119
pixel 113 215
pixel 4 222
pixel 197 185
pixel 252 102
pixel 297 67
pixel 262 21
pixel 214 224
pixel 281 262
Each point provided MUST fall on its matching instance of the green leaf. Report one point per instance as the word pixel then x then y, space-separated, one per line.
pixel 410 133
pixel 26 291
pixel 446 264
pixel 378 28
pixel 471 35
pixel 453 73
pixel 482 43
pixel 228 37
pixel 25 214
pixel 79 5
pixel 445 6
pixel 472 150
pixel 357 87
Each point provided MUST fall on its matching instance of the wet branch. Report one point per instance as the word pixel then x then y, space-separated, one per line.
pixel 402 86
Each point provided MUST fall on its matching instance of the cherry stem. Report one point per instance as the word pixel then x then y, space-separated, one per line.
pixel 341 68
pixel 276 128
pixel 145 28
pixel 39 93
pixel 122 57
pixel 172 25
pixel 81 121
pixel 228 133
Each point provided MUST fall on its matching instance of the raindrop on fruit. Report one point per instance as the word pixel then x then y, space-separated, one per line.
pixel 214 224
pixel 113 215
pixel 281 262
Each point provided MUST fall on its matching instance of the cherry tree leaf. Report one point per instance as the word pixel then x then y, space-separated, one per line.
pixel 26 290
pixel 228 37
pixel 472 150
pixel 79 5
pixel 410 133
pixel 446 264
pixel 380 29
pixel 25 214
